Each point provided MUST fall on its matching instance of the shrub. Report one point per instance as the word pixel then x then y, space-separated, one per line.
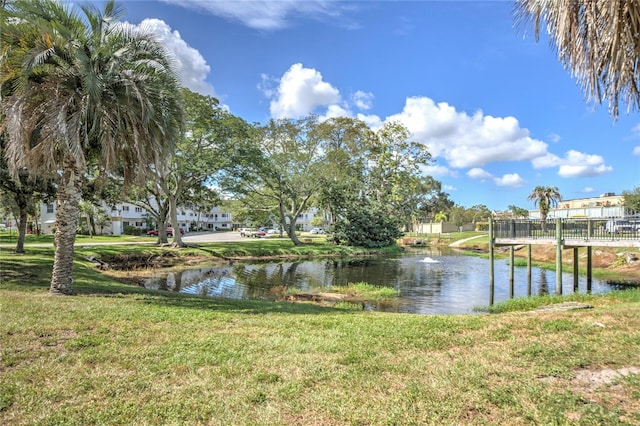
pixel 366 226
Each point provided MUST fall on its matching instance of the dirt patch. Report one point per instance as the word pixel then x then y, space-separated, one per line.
pixel 562 307
pixel 595 379
pixel 606 387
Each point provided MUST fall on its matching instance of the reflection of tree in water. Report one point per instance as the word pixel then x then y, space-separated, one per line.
pixel 544 285
pixel 263 277
pixel 372 271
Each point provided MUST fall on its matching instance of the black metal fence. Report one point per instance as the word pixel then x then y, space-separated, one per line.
pixel 604 229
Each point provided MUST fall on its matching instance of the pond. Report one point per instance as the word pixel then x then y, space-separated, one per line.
pixel 438 281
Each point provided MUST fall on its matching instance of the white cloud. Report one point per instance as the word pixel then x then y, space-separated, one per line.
pixel 546 161
pixel 265 14
pixel 467 141
pixel 334 111
pixel 510 180
pixel 300 91
pixel 191 66
pixel 577 164
pixel 463 140
pixel 636 150
pixel 554 137
pixel 574 164
pixel 363 100
pixel 438 171
pixel 588 190
pixel 449 188
pixel 373 121
pixel 479 174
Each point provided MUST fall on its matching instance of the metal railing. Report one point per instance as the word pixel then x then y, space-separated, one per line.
pixel 601 229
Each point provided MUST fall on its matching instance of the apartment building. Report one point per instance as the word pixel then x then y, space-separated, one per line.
pixel 124 215
pixel 605 205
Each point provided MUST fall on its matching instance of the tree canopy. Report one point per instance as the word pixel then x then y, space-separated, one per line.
pixel 597 40
pixel 632 199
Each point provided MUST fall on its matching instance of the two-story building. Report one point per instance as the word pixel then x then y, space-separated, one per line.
pixel 123 216
pixel 605 205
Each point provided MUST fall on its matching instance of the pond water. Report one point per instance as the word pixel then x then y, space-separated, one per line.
pixel 439 281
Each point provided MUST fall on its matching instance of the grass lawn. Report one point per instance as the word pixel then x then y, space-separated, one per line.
pixel 120 355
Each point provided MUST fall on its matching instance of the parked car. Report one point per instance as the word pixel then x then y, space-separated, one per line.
pixel 154 232
pixel 617 226
pixel 317 231
pixel 272 231
pixel 252 232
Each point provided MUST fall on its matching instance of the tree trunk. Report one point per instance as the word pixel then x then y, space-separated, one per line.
pixel 173 218
pixel 68 203
pixel 22 224
pixel 291 232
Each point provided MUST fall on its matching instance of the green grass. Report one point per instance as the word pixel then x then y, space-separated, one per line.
pixel 120 355
pixel 9 238
pixel 366 291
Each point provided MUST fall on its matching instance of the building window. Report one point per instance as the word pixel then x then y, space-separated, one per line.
pixel 125 208
pixel 125 223
pixel 138 209
pixel 224 215
pixel 49 208
pixel 139 224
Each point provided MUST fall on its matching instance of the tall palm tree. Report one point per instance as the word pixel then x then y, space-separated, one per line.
pixel 545 197
pixel 597 40
pixel 83 89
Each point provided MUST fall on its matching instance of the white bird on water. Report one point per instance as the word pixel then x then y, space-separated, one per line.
pixel 429 260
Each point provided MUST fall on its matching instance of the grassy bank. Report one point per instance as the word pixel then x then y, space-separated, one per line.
pixel 117 354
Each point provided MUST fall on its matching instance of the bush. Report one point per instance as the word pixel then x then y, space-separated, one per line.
pixel 366 226
pixel 132 230
pixel 482 226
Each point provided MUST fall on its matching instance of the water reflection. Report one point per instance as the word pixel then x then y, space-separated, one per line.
pixel 448 283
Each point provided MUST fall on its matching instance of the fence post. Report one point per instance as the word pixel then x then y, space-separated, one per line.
pixel 559 244
pixel 575 269
pixel 589 270
pixel 528 269
pixel 511 271
pixel 491 270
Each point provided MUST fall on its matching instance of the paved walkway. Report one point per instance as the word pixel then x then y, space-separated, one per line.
pixel 460 242
pixel 192 237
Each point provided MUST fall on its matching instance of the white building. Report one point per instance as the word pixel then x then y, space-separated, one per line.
pixel 606 205
pixel 125 215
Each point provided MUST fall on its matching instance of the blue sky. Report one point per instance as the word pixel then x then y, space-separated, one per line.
pixel 499 113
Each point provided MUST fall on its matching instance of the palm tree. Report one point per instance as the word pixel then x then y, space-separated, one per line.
pixel 545 197
pixel 441 216
pixel 83 89
pixel 597 40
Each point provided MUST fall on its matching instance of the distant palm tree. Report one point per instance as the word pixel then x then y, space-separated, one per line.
pixel 597 40
pixel 441 216
pixel 78 89
pixel 545 197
